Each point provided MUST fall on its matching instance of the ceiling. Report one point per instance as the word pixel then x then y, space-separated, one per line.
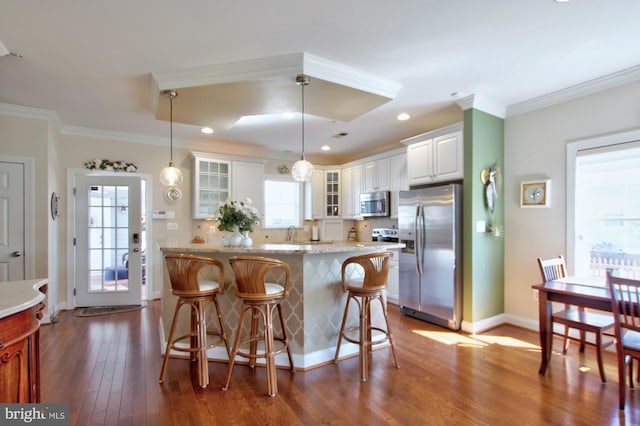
pixel 101 66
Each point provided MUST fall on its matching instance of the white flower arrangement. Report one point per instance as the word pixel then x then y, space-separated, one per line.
pixel 239 213
pixel 116 166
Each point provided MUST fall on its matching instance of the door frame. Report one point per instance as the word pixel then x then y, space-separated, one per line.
pixel 71 258
pixel 29 212
pixel 572 151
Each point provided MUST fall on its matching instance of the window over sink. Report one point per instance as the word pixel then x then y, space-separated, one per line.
pixel 282 202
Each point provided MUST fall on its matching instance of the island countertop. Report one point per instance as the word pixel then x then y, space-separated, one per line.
pixel 322 247
pixel 16 296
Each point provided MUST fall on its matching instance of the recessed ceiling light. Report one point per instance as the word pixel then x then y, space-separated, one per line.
pixel 207 130
pixel 325 148
pixel 288 115
pixel 562 1
pixel 403 116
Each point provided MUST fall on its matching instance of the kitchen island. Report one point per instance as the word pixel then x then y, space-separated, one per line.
pixel 313 311
pixel 21 308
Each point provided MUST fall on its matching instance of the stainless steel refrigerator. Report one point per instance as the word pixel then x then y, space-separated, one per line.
pixel 430 225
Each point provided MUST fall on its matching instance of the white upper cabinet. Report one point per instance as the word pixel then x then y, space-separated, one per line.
pixel 314 196
pixel 248 182
pixel 436 156
pixel 376 175
pixel 398 179
pixel 211 185
pixel 351 188
pixel 332 194
pixel 216 179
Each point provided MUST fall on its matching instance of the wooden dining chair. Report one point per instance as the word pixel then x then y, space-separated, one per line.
pixel 577 317
pixel 625 304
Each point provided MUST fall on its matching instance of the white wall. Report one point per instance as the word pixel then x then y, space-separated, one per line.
pixel 535 146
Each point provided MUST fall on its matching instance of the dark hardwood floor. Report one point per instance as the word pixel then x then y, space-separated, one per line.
pixel 106 368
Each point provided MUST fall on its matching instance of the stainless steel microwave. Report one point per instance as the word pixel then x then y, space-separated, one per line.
pixel 375 204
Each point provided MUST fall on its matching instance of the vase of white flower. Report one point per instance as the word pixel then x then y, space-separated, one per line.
pixel 237 216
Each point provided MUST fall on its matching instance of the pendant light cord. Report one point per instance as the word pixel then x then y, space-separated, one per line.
pixel 303 84
pixel 171 95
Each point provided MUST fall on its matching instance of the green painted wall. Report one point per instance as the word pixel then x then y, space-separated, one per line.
pixel 483 253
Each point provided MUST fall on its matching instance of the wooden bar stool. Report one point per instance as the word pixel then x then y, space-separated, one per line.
pixel 196 293
pixel 261 298
pixel 376 271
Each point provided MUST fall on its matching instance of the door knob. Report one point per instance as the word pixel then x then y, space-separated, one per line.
pixel 16 254
pixel 135 250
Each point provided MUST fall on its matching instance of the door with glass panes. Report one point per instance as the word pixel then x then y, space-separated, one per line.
pixel 108 240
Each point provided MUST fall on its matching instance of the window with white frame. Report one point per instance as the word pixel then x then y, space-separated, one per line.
pixel 282 202
pixel 607 209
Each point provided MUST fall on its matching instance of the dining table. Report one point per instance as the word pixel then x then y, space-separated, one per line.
pixel 589 292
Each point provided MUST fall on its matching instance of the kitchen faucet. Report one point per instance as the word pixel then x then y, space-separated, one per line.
pixel 292 233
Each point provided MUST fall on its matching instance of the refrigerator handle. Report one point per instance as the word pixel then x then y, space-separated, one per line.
pixel 416 241
pixel 420 240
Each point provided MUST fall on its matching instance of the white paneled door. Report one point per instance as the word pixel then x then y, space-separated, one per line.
pixel 108 240
pixel 11 221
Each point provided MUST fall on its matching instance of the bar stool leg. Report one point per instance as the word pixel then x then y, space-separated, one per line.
pixel 272 382
pixel 389 333
pixel 236 345
pixel 222 328
pixel 253 345
pixel 286 338
pixel 365 338
pixel 169 343
pixel 203 361
pixel 344 321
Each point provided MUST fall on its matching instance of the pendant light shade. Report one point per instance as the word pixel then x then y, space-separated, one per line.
pixel 171 175
pixel 302 170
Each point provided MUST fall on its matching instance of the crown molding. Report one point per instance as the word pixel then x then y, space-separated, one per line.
pixel 30 112
pixel 115 136
pixel 610 81
pixel 334 72
pixel 281 66
pixel 482 103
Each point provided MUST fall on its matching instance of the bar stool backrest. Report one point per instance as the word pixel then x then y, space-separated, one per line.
pixel 376 269
pixel 183 273
pixel 251 277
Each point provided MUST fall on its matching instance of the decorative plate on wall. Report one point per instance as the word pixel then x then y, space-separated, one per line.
pixel 55 206
pixel 173 194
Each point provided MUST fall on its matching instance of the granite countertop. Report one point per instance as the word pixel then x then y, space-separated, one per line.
pixel 16 296
pixel 320 247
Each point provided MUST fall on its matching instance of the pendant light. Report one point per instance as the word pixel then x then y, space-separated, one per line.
pixel 302 169
pixel 171 175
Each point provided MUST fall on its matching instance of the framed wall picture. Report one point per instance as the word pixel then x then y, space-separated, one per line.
pixel 535 193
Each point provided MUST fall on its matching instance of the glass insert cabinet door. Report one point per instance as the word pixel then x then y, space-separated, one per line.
pixel 212 183
pixel 109 241
pixel 332 193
